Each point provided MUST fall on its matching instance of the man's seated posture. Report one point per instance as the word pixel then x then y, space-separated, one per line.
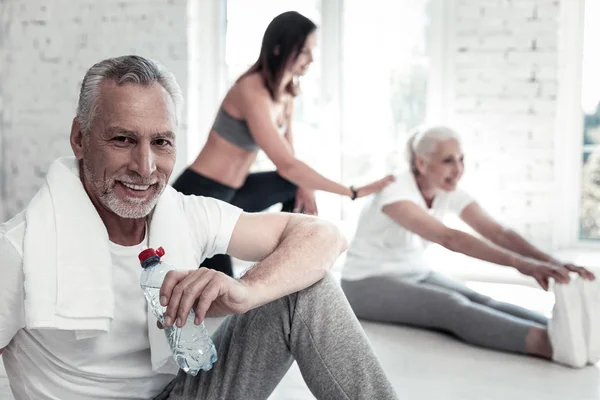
pixel 74 322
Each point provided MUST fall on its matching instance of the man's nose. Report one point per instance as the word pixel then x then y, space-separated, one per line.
pixel 143 160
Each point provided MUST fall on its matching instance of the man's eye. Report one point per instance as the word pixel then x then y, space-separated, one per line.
pixel 162 142
pixel 122 139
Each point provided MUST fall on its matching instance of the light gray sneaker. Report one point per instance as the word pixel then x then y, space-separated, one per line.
pixel 565 329
pixel 590 296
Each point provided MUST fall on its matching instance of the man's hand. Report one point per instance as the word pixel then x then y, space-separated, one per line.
pixel 305 202
pixel 206 291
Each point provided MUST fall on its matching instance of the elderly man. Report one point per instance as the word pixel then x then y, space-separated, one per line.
pixel 74 322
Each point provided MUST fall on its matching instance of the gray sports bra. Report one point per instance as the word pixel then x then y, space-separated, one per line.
pixel 236 131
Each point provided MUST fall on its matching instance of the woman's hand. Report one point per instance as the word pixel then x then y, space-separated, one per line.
pixel 305 202
pixel 581 271
pixel 542 271
pixel 374 187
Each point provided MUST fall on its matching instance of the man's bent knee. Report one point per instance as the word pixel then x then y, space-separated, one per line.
pixel 327 289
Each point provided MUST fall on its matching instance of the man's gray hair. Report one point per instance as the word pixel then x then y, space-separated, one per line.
pixel 126 69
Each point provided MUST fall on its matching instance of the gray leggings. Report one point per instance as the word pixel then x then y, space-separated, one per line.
pixel 315 327
pixel 437 302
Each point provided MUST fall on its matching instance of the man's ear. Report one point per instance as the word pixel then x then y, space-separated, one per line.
pixel 76 139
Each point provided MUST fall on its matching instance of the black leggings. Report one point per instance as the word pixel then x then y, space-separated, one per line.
pixel 260 191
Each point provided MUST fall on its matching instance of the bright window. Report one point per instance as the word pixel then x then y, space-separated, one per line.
pixel 589 226
pixel 386 67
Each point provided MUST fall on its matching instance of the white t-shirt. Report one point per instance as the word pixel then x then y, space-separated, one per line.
pixel 52 364
pixel 381 246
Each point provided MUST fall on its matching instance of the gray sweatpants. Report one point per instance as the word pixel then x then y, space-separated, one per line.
pixel 316 327
pixel 440 303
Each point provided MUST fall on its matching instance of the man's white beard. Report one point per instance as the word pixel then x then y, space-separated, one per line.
pixel 130 208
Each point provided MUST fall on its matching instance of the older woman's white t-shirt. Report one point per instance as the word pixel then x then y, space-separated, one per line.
pixel 381 246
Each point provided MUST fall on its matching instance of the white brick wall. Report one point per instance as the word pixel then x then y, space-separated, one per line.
pixel 45 49
pixel 504 83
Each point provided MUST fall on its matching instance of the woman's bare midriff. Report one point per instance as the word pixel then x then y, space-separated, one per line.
pixel 223 162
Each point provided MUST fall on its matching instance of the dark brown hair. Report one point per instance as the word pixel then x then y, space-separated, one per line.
pixel 282 42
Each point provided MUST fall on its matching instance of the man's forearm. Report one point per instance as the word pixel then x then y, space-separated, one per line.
pixel 304 255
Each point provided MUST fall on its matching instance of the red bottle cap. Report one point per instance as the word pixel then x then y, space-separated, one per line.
pixel 150 252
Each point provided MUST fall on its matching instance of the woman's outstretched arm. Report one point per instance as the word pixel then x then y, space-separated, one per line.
pixel 414 218
pixel 478 219
pixel 256 110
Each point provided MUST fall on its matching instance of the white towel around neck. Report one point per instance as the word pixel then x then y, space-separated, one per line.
pixel 67 263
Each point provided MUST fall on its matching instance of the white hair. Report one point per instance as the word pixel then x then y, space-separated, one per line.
pixel 126 69
pixel 425 141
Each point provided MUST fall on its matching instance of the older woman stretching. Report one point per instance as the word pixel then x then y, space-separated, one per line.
pixel 386 277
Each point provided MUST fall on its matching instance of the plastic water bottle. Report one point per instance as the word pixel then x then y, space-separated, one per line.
pixel 192 347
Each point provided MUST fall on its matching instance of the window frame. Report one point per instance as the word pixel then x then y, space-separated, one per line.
pixel 207 25
pixel 569 148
